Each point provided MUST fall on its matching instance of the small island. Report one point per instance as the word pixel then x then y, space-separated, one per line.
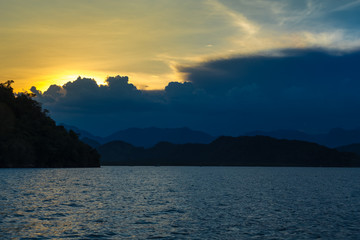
pixel 29 138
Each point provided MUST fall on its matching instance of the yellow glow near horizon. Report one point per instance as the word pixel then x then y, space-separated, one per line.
pixel 53 42
pixel 155 82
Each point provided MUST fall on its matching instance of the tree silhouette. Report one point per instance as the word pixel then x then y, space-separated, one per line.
pixel 30 138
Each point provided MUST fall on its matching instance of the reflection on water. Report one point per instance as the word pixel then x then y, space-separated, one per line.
pixel 180 203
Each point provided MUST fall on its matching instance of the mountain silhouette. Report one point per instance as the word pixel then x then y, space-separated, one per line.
pixel 149 137
pixel 83 134
pixel 354 148
pixel 146 137
pixel 229 151
pixel 334 138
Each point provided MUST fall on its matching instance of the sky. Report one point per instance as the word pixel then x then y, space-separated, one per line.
pixel 221 66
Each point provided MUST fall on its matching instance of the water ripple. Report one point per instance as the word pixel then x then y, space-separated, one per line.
pixel 180 203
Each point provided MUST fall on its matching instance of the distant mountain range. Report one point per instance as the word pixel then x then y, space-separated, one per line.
pixel 228 151
pixel 183 146
pixel 145 137
pixel 148 137
pixel 334 138
pixel 354 148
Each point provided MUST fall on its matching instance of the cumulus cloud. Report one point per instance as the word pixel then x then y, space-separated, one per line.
pixel 85 95
pixel 309 89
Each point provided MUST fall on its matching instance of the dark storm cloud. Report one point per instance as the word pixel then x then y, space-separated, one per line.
pixel 298 81
pixel 299 89
pixel 288 68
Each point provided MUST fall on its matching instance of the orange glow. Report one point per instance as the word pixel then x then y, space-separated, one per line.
pixel 52 42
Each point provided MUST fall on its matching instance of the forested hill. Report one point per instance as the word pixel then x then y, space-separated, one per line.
pixel 229 151
pixel 30 138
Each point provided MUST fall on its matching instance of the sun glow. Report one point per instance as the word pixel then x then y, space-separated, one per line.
pixel 62 79
pixel 141 81
pixel 54 42
pixel 67 76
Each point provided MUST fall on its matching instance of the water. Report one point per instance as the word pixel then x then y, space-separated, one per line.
pixel 180 203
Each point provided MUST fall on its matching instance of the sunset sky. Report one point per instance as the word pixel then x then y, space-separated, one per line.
pixel 155 42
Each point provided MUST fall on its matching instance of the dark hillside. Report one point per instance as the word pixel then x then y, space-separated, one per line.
pixel 30 138
pixel 354 148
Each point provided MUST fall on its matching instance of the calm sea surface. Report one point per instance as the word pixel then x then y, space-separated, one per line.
pixel 180 203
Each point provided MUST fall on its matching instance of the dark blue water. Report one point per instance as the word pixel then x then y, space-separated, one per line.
pixel 180 203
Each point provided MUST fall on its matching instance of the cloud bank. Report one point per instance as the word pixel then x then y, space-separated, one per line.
pixel 311 90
